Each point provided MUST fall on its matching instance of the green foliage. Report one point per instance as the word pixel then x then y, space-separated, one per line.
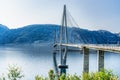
pixel 74 77
pixel 63 77
pixel 2 77
pixel 39 78
pixel 70 77
pixel 14 73
pixel 102 75
pixel 51 75
pixel 85 76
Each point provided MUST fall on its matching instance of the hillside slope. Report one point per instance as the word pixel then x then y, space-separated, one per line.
pixel 45 34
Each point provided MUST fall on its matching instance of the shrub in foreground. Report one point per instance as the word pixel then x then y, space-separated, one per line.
pixel 14 73
pixel 102 75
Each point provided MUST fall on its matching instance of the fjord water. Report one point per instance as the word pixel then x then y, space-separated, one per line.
pixel 37 60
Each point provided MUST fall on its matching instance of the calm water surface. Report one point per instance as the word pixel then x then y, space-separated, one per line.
pixel 37 60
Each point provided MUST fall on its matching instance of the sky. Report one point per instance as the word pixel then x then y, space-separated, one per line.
pixel 89 14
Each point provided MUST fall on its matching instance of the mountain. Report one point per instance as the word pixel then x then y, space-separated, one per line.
pixel 45 34
pixel 29 34
pixel 3 30
pixel 95 37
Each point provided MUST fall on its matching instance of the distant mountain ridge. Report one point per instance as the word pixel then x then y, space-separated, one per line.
pixel 39 33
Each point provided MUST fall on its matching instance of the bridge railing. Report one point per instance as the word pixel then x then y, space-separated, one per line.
pixel 106 46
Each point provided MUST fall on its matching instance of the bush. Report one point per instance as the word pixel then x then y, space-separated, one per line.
pixel 14 73
pixel 39 78
pixel 73 77
pixel 51 75
pixel 2 77
pixel 102 75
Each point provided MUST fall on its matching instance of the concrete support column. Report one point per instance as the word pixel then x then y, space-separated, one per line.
pixel 100 60
pixel 85 59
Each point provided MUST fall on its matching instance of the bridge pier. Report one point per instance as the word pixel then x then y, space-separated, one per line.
pixel 85 59
pixel 100 60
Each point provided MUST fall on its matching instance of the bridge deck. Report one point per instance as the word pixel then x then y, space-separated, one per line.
pixel 104 47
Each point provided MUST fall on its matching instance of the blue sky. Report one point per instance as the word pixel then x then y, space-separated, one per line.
pixel 89 14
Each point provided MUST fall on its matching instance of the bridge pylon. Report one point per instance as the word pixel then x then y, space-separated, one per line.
pixel 63 39
pixel 61 68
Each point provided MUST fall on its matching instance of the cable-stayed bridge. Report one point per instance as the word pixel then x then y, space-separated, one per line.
pixel 100 48
pixel 63 47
